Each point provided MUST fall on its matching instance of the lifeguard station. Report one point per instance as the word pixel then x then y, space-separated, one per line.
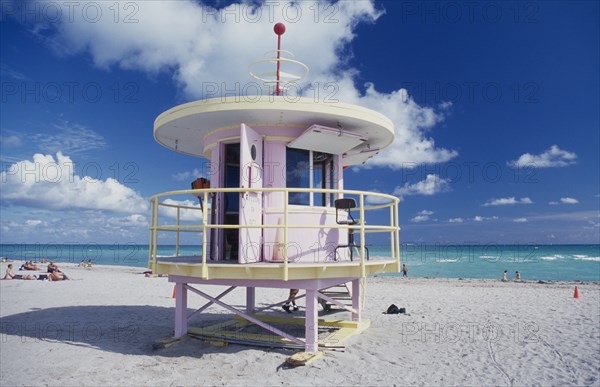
pixel 276 214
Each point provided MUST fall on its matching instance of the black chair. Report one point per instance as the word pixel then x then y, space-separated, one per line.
pixel 344 206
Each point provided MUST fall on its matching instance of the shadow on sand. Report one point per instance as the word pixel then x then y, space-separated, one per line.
pixel 126 329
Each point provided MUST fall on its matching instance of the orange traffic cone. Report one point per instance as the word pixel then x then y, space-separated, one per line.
pixel 174 291
pixel 576 293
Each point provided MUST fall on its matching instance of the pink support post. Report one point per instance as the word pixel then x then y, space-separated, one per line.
pixel 312 322
pixel 356 300
pixel 250 299
pixel 180 309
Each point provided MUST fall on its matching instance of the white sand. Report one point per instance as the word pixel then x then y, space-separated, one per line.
pixel 98 330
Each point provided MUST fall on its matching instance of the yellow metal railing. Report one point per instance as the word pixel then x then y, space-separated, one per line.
pixel 383 200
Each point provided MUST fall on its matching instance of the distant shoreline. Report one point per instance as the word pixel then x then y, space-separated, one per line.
pixel 140 269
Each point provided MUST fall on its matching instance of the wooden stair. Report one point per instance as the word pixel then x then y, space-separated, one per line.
pixel 339 292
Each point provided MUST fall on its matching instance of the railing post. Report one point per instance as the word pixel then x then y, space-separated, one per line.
pixel 177 234
pixel 204 222
pixel 362 235
pixel 393 231
pixel 285 235
pixel 151 263
pixel 154 233
pixel 397 225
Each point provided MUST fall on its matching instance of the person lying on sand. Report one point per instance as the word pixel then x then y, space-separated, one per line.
pixel 57 276
pixel 10 274
pixel 29 265
pixel 148 273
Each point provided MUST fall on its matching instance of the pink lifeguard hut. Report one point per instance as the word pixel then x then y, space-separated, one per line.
pixel 276 213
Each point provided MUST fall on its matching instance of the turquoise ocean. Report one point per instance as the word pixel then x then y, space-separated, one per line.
pixel 534 262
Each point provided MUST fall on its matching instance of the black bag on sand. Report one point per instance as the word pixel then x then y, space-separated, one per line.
pixel 393 309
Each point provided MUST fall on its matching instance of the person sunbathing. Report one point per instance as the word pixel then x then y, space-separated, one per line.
pixel 29 265
pixel 57 276
pixel 10 274
pixel 52 267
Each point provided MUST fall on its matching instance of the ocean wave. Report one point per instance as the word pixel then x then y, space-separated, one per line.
pixel 586 258
pixel 550 258
pixel 447 260
pixel 489 256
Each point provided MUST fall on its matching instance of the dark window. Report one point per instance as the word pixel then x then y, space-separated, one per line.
pixel 297 175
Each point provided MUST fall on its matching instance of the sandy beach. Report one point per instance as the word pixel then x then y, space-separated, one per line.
pixel 98 330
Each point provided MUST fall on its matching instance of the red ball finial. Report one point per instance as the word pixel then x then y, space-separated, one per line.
pixel 279 29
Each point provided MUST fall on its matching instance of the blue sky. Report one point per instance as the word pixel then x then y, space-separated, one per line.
pixel 496 108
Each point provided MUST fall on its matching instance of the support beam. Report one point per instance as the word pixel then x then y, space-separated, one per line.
pixel 247 317
pixel 312 323
pixel 356 300
pixel 180 309
pixel 250 299
pixel 336 302
pixel 208 304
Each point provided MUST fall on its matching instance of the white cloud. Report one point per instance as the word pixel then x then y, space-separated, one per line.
pixel 134 220
pixel 479 218
pixel 552 157
pixel 51 183
pixel 568 200
pixel 520 220
pixel 431 185
pixel 370 199
pixel 579 216
pixel 186 214
pixel 508 201
pixel 188 175
pixel 445 105
pixel 11 141
pixel 411 146
pixel 456 220
pixel 77 226
pixel 422 216
pixel 208 53
pixel 68 137
pixel 34 222
pixel 9 72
